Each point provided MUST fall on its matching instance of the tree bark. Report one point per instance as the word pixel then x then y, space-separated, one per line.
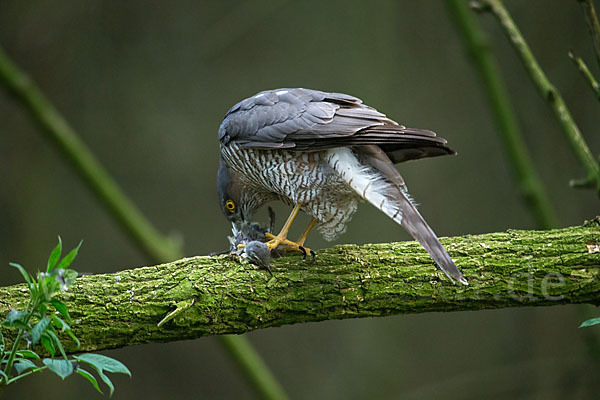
pixel 202 296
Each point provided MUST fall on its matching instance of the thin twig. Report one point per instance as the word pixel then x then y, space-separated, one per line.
pixel 23 375
pixel 547 90
pixel 591 18
pixel 477 47
pixel 587 74
pixel 584 183
pixel 125 212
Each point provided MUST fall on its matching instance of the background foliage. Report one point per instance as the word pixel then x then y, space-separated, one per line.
pixel 147 87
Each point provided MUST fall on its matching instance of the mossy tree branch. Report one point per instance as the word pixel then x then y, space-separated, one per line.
pixel 547 90
pixel 213 296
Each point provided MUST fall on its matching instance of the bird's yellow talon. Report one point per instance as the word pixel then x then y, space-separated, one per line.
pixel 281 239
pixel 273 243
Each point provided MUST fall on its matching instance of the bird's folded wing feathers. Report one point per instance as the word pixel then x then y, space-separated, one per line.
pixel 311 120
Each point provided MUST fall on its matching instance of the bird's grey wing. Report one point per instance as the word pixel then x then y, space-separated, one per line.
pixel 311 120
pixel 278 117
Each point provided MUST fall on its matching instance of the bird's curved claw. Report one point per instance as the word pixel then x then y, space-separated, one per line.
pixel 305 251
pixel 291 246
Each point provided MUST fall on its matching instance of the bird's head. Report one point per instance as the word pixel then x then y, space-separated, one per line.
pixel 229 189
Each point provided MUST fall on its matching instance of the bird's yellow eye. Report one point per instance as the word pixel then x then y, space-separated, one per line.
pixel 230 205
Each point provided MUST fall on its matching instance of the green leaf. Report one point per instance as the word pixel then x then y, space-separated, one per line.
pixel 54 256
pixel 42 308
pixel 67 328
pixel 62 368
pixel 27 354
pixel 103 363
pixel 48 344
pixel 72 335
pixel 89 377
pixel 22 271
pixel 4 378
pixel 590 322
pixel 64 327
pixel 14 316
pixel 60 324
pixel 39 329
pixel 71 275
pixel 106 363
pixel 2 344
pixel 52 285
pixel 23 365
pixel 17 324
pixel 33 290
pixel 61 308
pixel 43 287
pixel 108 382
pixel 68 259
pixel 50 332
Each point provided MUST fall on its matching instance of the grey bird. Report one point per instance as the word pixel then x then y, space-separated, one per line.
pixel 322 153
pixel 258 253
pixel 248 239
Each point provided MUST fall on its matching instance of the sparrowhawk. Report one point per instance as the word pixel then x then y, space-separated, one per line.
pixel 322 153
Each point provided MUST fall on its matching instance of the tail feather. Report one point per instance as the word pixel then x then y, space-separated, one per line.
pixel 414 223
pixel 395 202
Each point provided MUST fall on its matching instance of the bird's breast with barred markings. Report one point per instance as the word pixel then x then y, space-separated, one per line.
pixel 295 178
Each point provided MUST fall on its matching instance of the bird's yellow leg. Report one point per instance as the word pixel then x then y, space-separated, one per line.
pixel 302 238
pixel 282 237
pixel 299 244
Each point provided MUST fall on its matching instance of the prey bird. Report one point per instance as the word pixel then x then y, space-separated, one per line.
pixel 322 153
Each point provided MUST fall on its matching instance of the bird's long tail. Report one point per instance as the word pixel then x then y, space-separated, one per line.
pixel 395 202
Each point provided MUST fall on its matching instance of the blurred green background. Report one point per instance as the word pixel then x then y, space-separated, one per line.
pixel 146 85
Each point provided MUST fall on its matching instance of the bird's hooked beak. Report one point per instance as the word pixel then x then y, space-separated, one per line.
pixel 237 220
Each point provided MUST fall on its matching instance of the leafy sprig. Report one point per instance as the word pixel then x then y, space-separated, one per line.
pixel 590 322
pixel 40 323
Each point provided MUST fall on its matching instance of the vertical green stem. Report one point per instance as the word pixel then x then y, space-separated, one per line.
pixel 591 18
pixel 515 147
pixel 267 388
pixel 157 247
pixel 15 346
pixel 13 352
pixel 547 91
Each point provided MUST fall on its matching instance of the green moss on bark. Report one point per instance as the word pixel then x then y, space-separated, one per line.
pixel 216 295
